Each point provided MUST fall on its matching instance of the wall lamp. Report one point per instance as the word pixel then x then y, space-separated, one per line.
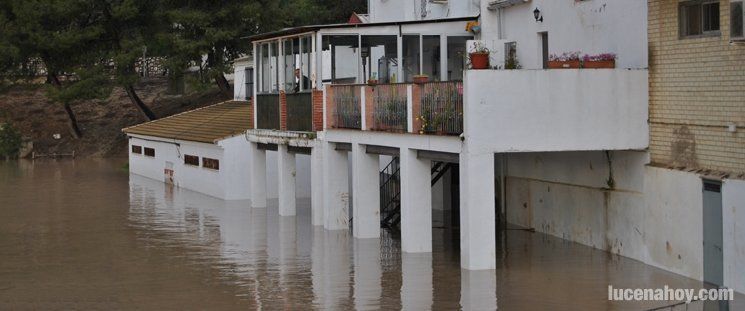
pixel 538 16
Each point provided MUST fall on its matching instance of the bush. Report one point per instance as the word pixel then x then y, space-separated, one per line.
pixel 10 140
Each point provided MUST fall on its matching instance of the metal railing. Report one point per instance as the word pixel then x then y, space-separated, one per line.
pixel 390 107
pixel 300 112
pixel 346 110
pixel 441 109
pixel 267 111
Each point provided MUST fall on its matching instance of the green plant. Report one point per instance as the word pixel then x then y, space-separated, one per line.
pixel 512 63
pixel 10 140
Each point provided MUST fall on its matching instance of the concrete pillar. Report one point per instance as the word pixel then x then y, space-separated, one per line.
pixel 257 158
pixel 416 203
pixel 286 178
pixel 367 273
pixel 316 187
pixel 336 188
pixel 366 193
pixel 417 291
pixel 477 222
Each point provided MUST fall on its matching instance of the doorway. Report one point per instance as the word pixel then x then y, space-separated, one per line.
pixel 544 48
pixel 713 237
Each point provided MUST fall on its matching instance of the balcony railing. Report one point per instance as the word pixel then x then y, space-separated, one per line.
pixel 389 111
pixel 300 112
pixel 346 110
pixel 432 108
pixel 441 109
pixel 267 111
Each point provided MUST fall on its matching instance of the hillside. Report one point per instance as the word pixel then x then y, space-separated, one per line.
pixel 26 108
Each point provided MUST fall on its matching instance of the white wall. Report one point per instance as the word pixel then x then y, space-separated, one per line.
pixel 590 27
pixel 408 10
pixel 556 110
pixel 653 214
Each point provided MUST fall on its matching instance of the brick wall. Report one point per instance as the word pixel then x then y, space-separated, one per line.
pixel 697 88
pixel 282 111
pixel 317 110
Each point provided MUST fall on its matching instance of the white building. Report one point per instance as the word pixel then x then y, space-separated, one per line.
pixel 562 151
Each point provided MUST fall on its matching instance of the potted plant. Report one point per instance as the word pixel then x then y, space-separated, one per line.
pixel 479 56
pixel 605 60
pixel 512 63
pixel 421 79
pixel 564 61
pixel 373 81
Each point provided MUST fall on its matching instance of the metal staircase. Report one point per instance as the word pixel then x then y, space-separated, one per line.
pixel 390 190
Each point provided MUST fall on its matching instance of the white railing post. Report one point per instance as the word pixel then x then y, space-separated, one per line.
pixel 409 109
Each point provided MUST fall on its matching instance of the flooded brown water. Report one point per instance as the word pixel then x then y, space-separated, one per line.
pixel 85 234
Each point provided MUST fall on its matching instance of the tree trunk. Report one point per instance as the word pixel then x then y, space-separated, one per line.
pixel 224 86
pixel 144 109
pixel 53 80
pixel 74 129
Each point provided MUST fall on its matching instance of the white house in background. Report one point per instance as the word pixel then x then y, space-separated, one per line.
pixel 242 78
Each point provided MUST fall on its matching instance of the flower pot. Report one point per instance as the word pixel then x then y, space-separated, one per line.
pixel 479 60
pixel 372 82
pixel 558 64
pixel 597 64
pixel 421 79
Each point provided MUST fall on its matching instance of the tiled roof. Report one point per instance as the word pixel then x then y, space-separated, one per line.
pixel 207 125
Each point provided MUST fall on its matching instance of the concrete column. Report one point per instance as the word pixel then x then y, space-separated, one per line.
pixel 316 187
pixel 366 193
pixel 478 290
pixel 257 158
pixel 416 203
pixel 286 178
pixel 336 188
pixel 477 223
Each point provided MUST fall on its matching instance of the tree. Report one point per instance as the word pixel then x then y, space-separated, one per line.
pixel 88 83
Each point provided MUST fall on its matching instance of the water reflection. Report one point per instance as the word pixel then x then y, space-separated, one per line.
pixel 96 238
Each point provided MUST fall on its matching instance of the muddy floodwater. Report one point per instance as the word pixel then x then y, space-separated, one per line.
pixel 84 234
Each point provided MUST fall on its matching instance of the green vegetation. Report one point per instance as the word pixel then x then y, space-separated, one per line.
pixel 10 140
pixel 86 47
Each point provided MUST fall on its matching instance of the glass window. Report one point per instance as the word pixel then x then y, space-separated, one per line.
pixel 457 57
pixel 150 152
pixel 137 149
pixel 211 163
pixel 340 59
pixel 379 57
pixel 291 58
pixel 191 160
pixel 306 73
pixel 431 57
pixel 411 52
pixel 698 18
pixel 274 65
pixel 736 20
pixel 266 69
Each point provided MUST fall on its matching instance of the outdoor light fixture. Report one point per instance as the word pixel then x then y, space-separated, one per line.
pixel 538 16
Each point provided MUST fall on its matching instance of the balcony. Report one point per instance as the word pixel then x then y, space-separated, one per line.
pixel 556 110
pixel 434 108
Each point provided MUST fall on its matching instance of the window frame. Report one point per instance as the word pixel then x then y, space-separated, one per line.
pixel 136 149
pixel 740 38
pixel 682 19
pixel 145 152
pixel 188 156
pixel 205 160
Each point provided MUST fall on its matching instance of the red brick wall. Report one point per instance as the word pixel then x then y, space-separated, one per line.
pixel 416 103
pixel 369 102
pixel 282 111
pixel 330 108
pixel 317 110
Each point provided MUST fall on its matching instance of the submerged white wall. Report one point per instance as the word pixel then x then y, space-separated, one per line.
pixel 231 182
pixel 652 214
pixel 590 27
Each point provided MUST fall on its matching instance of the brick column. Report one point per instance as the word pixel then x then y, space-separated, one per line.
pixel 369 107
pixel 282 111
pixel 330 107
pixel 416 106
pixel 317 110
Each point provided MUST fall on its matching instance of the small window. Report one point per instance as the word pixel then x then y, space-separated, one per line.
pixel 699 18
pixel 737 32
pixel 137 149
pixel 211 163
pixel 149 152
pixel 191 160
